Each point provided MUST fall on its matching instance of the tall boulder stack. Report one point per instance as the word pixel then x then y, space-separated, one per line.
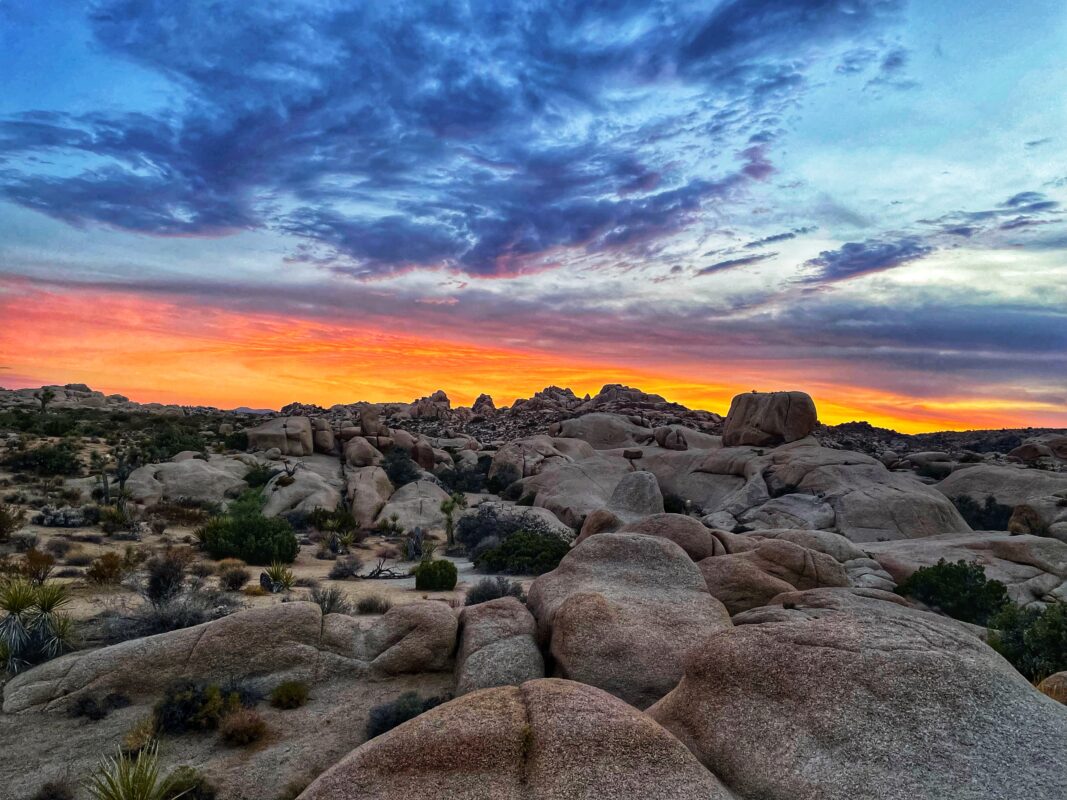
pixel 767 419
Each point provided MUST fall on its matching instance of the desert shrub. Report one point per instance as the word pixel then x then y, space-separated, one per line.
pixel 409 705
pixel 487 521
pixel 201 569
pixel 130 777
pixel 399 467
pixel 170 439
pixel 33 628
pixel 987 516
pixel 492 588
pixel 1033 639
pixel 290 694
pixel 242 727
pixel 114 519
pixel 467 478
pixel 260 475
pixel 338 520
pixel 232 578
pixel 10 520
pixel 673 504
pixel 435 576
pixel 344 568
pixel 106 570
pixel 78 558
pixel 187 783
pixel 96 708
pixel 46 460
pixel 281 577
pixel 251 537
pixel 523 553
pixel 238 440
pixel 53 790
pixel 193 606
pixel 58 547
pixel 960 590
pixel 331 600
pixel 188 706
pixel 140 736
pixel 165 576
pixel 37 566
pixel 373 604
pixel 183 511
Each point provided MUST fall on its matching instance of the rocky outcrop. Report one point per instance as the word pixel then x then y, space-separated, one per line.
pixel 621 611
pixel 263 645
pixel 361 453
pixel 1037 497
pixel 545 740
pixel 840 696
pixel 414 505
pixel 292 436
pixel 212 481
pixel 497 646
pixel 533 455
pixel 304 491
pixel 436 406
pixel 604 431
pixel 766 419
pixel 367 490
pixel 1033 568
pixel 574 490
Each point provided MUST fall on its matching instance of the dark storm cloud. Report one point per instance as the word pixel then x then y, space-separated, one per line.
pixel 474 137
pixel 862 258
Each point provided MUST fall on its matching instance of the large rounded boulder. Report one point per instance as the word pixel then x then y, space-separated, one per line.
pixel 545 740
pixel 621 612
pixel 839 694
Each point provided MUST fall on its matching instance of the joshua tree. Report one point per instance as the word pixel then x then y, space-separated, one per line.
pixel 448 507
pixel 127 459
pixel 98 465
pixel 44 397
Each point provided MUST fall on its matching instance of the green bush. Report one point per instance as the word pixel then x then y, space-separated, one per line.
pixel 436 576
pixel 10 520
pixel 188 706
pixel 188 784
pixel 238 440
pixel 493 588
pixel 173 438
pixel 399 467
pixel 488 521
pixel 960 590
pixel 46 460
pixel 260 475
pixel 1034 640
pixel 130 778
pixel 523 553
pixel 248 535
pixel 290 694
pixel 408 706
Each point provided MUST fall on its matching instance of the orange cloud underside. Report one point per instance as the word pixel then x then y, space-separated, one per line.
pixel 152 350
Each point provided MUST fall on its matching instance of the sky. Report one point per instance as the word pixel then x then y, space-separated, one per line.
pixel 234 203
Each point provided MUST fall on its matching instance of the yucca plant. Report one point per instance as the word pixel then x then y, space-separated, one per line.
pixel 32 628
pixel 281 576
pixel 133 777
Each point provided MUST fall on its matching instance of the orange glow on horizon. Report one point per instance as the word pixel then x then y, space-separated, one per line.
pixel 153 350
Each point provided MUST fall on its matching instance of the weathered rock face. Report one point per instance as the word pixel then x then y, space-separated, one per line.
pixel 361 453
pixel 545 740
pixel 1039 496
pixel 531 456
pixel 436 406
pixel 765 419
pixel 264 645
pixel 1055 686
pixel 210 481
pixel 1033 568
pixel 863 572
pixel 754 571
pixel 869 503
pixel 697 541
pixel 483 405
pixel 309 490
pixel 793 511
pixel 573 490
pixel 368 490
pixel 621 611
pixel 497 646
pixel 416 504
pixel 292 436
pixel 603 431
pixel 841 696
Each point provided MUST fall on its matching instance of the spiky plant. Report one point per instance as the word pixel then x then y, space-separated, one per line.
pixel 32 628
pixel 131 777
pixel 281 576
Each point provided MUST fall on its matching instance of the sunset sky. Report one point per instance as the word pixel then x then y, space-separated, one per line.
pixel 250 203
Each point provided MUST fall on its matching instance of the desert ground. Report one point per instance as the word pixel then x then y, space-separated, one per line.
pixel 599 596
